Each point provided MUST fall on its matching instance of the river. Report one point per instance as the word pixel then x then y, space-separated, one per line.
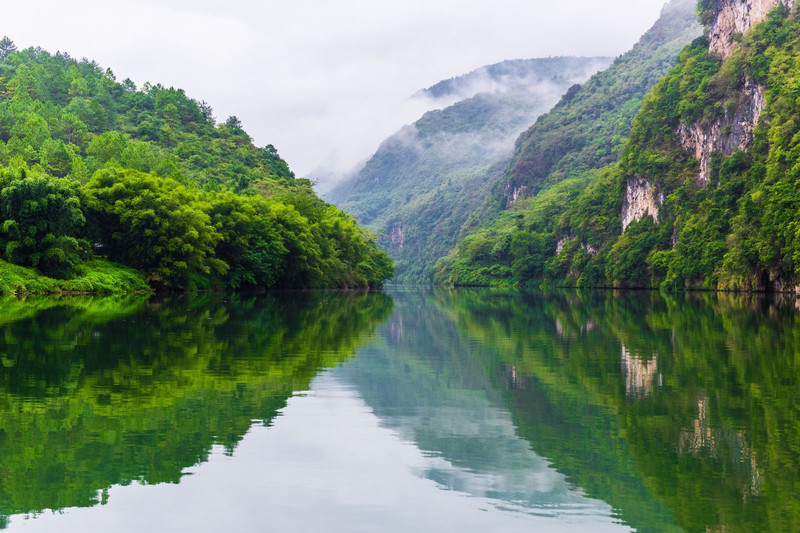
pixel 422 410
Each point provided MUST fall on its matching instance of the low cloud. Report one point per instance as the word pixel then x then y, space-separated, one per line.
pixel 320 79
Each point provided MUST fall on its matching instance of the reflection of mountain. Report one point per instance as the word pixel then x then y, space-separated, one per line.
pixel 428 383
pixel 96 392
pixel 662 413
pixel 639 399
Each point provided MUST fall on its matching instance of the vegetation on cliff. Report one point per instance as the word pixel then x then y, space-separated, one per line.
pixel 584 132
pixel 696 201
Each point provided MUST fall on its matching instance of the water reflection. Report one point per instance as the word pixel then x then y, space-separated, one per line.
pixel 96 392
pixel 694 428
pixel 434 387
pixel 558 411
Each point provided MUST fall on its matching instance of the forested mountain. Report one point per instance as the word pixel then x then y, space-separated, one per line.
pixel 704 194
pixel 423 182
pixel 591 124
pixel 94 169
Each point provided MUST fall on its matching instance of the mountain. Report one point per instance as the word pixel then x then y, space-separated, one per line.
pixel 423 181
pixel 590 125
pixel 585 131
pixel 704 194
pixel 93 170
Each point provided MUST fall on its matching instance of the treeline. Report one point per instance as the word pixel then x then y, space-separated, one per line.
pixel 94 168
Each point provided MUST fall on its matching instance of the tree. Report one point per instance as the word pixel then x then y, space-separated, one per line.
pixel 155 225
pixel 234 123
pixel 7 47
pixel 41 222
pixel 251 244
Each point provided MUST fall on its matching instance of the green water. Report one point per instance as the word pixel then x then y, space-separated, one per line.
pixel 408 410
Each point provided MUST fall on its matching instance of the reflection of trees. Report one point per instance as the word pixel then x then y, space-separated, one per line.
pixel 711 429
pixel 96 392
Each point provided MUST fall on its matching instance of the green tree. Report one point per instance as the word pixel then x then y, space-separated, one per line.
pixel 155 225
pixel 7 47
pixel 41 224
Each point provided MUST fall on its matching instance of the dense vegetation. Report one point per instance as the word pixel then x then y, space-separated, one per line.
pixel 591 124
pixel 424 181
pixel 584 132
pixel 736 232
pixel 94 170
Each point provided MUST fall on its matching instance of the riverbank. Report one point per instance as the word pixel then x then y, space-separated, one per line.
pixel 96 276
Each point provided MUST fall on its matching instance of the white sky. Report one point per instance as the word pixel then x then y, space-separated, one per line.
pixel 319 77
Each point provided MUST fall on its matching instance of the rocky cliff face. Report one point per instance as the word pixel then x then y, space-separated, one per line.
pixel 732 18
pixel 397 237
pixel 727 134
pixel 641 199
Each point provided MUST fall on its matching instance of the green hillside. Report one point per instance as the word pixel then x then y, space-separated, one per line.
pixel 93 169
pixel 704 194
pixel 586 130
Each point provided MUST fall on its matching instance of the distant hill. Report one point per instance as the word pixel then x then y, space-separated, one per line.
pixel 423 182
pixel 511 75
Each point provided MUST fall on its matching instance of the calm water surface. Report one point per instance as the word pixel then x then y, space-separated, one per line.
pixel 409 410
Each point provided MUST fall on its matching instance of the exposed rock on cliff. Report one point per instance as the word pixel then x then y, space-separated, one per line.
pixel 732 18
pixel 641 199
pixel 397 237
pixel 727 134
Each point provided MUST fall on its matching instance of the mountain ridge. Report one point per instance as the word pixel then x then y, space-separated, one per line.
pixel 425 179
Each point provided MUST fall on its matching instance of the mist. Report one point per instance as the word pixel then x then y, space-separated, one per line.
pixel 446 148
pixel 320 80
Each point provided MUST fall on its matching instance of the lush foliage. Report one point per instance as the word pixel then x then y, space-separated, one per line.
pixel 94 276
pixel 148 179
pixel 584 132
pixel 41 222
pixel 736 232
pixel 592 123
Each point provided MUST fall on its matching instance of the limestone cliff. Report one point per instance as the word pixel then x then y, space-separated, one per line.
pixel 728 133
pixel 728 20
pixel 641 199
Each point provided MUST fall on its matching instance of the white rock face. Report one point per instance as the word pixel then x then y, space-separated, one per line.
pixel 734 18
pixel 727 134
pixel 641 199
pixel 561 243
pixel 398 237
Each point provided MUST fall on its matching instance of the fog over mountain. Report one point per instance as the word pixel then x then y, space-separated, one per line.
pixel 523 85
pixel 424 180
pixel 318 79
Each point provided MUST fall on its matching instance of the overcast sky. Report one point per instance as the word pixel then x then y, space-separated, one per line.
pixel 319 77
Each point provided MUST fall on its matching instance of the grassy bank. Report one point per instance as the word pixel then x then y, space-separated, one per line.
pixel 96 276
